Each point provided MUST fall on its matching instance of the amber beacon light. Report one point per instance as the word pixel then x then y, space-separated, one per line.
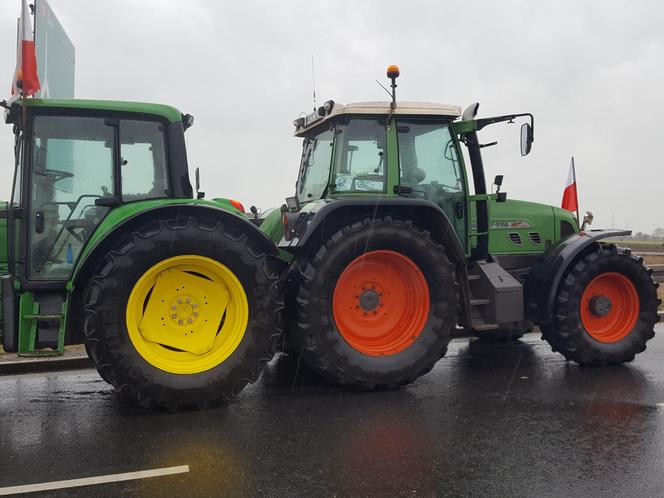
pixel 393 71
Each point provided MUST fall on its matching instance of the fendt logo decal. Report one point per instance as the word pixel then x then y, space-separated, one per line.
pixel 510 224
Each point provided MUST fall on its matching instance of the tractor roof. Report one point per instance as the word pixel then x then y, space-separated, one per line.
pixel 375 109
pixel 165 111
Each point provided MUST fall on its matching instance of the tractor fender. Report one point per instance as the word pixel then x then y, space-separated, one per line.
pixel 86 266
pixel 546 275
pixel 316 225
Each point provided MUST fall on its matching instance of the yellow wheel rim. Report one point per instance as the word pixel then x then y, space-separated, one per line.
pixel 187 314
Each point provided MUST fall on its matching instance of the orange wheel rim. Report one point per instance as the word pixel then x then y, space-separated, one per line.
pixel 381 303
pixel 609 307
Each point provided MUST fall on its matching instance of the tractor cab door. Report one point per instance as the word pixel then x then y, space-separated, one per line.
pixel 430 168
pixel 71 167
pixel 80 168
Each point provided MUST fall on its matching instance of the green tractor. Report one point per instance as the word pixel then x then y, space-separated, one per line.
pixel 175 297
pixel 390 252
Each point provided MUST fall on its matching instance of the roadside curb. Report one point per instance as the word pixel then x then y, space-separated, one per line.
pixel 44 365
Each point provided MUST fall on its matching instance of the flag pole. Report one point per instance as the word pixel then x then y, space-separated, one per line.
pixel 576 192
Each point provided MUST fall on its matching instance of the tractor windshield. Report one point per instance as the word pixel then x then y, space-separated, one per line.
pixel 359 159
pixel 315 166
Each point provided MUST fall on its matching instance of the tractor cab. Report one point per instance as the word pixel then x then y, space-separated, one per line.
pixel 73 165
pixel 76 161
pixel 369 149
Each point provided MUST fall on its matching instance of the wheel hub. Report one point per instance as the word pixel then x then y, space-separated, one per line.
pixel 369 300
pixel 381 303
pixel 177 301
pixel 609 307
pixel 600 305
pixel 184 310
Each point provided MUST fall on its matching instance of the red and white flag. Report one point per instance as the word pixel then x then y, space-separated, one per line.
pixel 26 81
pixel 570 197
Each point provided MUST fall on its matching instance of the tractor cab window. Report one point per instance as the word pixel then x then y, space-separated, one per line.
pixel 360 157
pixel 71 167
pixel 429 164
pixel 428 160
pixel 315 166
pixel 143 160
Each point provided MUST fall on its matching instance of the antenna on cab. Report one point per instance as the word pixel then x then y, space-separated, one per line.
pixel 313 80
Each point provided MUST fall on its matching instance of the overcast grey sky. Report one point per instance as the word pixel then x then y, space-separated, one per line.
pixel 591 72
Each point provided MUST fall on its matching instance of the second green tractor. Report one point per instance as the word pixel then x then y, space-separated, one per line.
pixel 394 242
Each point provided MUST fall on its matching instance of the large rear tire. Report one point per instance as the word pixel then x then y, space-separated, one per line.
pixel 375 304
pixel 182 312
pixel 605 308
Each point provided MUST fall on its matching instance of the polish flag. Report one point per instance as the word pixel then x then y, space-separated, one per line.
pixel 25 80
pixel 570 198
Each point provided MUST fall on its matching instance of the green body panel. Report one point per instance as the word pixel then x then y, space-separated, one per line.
pixel 273 228
pixel 564 215
pixel 118 215
pixel 165 111
pixel 523 218
pixel 461 127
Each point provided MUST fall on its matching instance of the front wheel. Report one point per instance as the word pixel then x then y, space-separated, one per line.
pixel 605 309
pixel 182 312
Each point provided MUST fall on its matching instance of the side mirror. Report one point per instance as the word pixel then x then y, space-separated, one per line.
pixel 501 197
pixel 526 138
pixel 498 181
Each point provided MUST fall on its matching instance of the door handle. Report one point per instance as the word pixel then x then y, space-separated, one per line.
pixel 39 221
pixel 459 210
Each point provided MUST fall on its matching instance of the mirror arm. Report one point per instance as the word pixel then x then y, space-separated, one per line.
pixel 481 123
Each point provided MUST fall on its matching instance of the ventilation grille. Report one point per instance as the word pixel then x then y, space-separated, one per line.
pixel 535 237
pixel 515 238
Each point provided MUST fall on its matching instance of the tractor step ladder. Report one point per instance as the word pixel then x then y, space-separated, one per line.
pixel 30 320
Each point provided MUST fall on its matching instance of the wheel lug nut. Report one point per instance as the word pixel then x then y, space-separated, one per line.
pixel 194 305
pixel 195 313
pixel 174 316
pixel 179 301
pixel 188 300
pixel 174 308
pixel 189 321
pixel 180 321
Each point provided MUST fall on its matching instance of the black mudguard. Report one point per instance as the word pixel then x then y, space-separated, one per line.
pixel 546 275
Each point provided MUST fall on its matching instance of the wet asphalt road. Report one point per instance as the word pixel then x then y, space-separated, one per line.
pixel 490 420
